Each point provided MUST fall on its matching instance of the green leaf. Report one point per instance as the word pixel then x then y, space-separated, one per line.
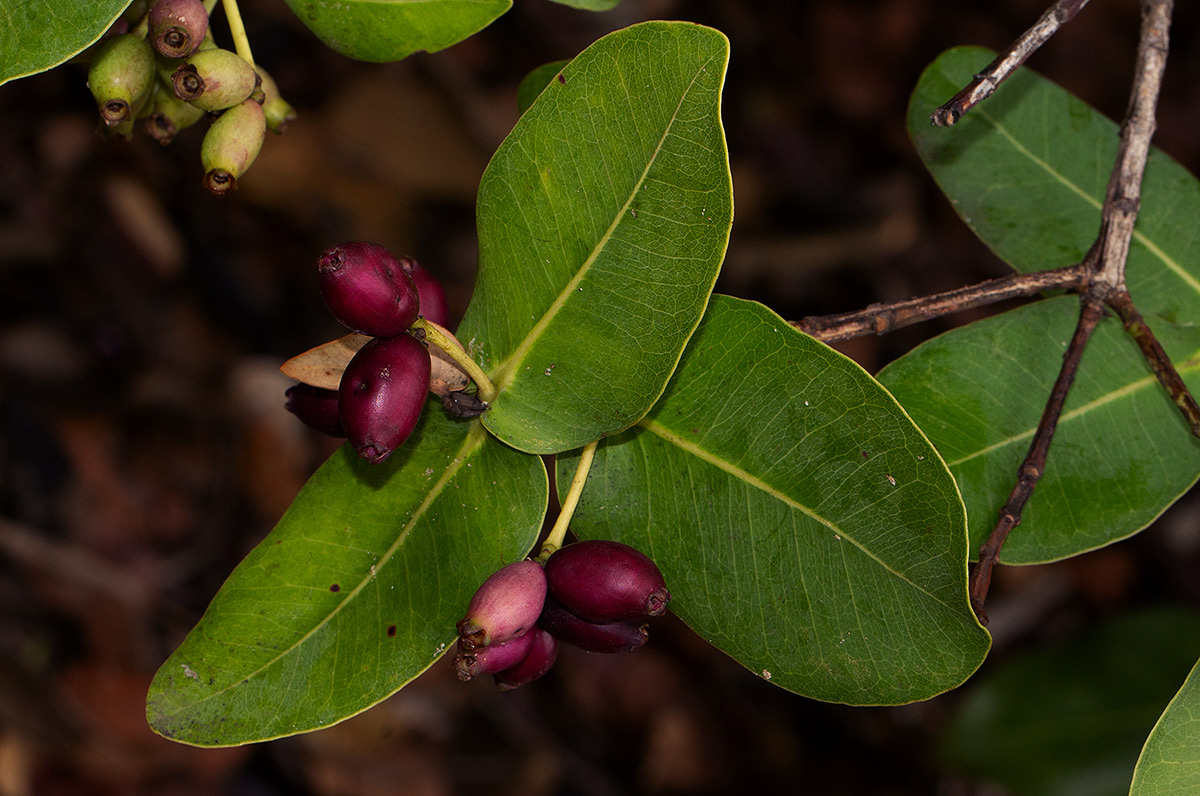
pixel 535 83
pixel 1121 452
pixel 389 30
pixel 804 525
pixel 356 590
pixel 603 219
pixel 1027 171
pixel 1170 760
pixel 1070 720
pixel 36 35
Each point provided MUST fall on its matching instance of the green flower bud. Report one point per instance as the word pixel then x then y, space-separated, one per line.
pixel 214 80
pixel 121 76
pixel 275 107
pixel 169 114
pixel 231 144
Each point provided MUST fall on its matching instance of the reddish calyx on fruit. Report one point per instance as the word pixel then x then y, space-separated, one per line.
pixel 601 581
pixel 433 297
pixel 507 605
pixel 473 661
pixel 177 27
pixel 382 394
pixel 367 289
pixel 215 79
pixel 591 636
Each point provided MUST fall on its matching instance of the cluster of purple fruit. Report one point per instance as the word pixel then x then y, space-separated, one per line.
pixel 382 392
pixel 596 595
pixel 160 63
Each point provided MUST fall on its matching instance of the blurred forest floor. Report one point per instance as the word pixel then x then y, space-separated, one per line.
pixel 144 448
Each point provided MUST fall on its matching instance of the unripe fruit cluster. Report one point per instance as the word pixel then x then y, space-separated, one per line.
pixel 382 391
pixel 596 595
pixel 169 72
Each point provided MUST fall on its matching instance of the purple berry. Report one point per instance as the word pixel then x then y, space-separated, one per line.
pixel 316 408
pixel 433 298
pixel 177 27
pixel 591 636
pixel 382 394
pixel 542 654
pixel 367 289
pixel 505 606
pixel 473 661
pixel 602 581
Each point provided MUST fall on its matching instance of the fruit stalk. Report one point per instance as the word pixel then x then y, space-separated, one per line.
pixel 237 30
pixel 555 538
pixel 486 390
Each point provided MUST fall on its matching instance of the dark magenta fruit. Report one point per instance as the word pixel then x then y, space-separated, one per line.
pixel 474 661
pixel 316 408
pixel 177 27
pixel 433 297
pixel 382 394
pixel 367 289
pixel 507 605
pixel 591 636
pixel 543 652
pixel 602 581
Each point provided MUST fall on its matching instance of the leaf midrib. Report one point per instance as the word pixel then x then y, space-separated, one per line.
pixel 473 442
pixel 730 468
pixel 506 372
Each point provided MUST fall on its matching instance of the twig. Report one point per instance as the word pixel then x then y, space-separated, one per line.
pixel 1157 358
pixel 1106 261
pixel 979 89
pixel 884 317
pixel 1035 460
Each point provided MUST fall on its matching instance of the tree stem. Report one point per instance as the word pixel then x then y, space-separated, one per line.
pixel 1106 284
pixel 884 317
pixel 1034 465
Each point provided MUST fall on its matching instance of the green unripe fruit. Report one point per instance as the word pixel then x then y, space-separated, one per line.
pixel 214 80
pixel 275 107
pixel 169 115
pixel 121 76
pixel 231 144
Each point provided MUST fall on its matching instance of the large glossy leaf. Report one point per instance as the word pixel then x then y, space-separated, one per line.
pixel 36 35
pixel 1121 453
pixel 356 590
pixel 603 220
pixel 388 30
pixel 1070 719
pixel 1170 760
pixel 804 524
pixel 1027 170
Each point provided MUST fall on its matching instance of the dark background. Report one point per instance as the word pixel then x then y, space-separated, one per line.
pixel 144 448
